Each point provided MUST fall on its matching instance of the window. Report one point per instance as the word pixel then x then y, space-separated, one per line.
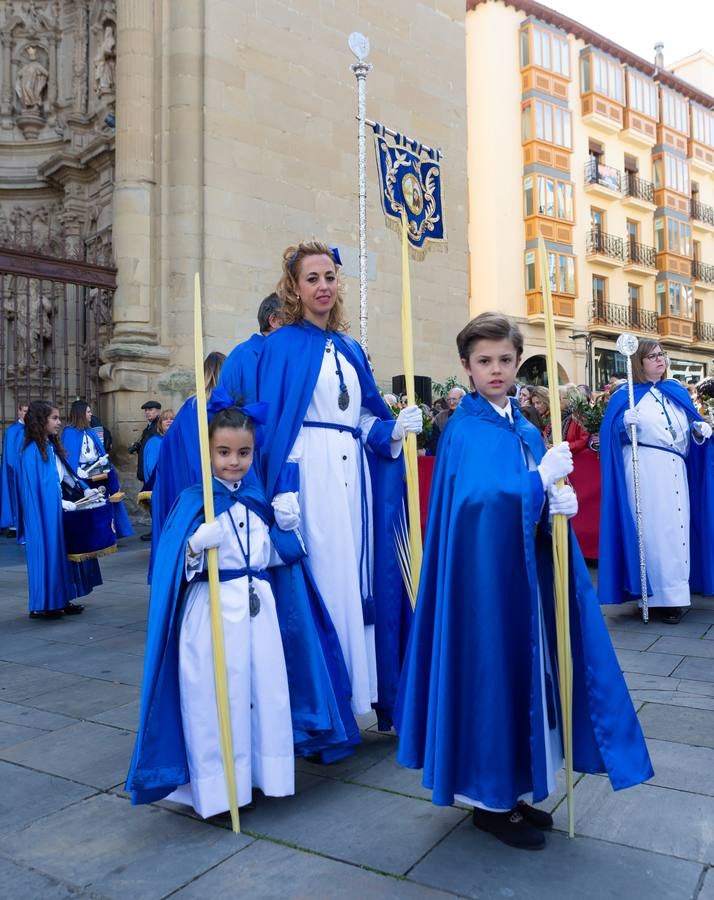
pixel 702 125
pixel 633 300
pixel 674 111
pixel 680 299
pixel 561 269
pixel 642 95
pixel 548 197
pixel 633 232
pixel 599 289
pixel 660 245
pixel 597 219
pixel 550 51
pixel 552 123
pixel 678 236
pixel 530 270
pixel 525 49
pixel 671 172
pixel 661 298
pixel 605 76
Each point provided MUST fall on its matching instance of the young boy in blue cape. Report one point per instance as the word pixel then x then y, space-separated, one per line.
pixel 479 706
pixel 676 459
pixel 53 580
pixel 12 442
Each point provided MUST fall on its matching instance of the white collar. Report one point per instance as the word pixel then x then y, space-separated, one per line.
pixel 505 411
pixel 231 485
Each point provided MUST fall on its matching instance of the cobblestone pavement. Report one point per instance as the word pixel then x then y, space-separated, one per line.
pixel 69 701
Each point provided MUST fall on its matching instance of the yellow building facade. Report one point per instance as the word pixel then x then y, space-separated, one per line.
pixel 611 160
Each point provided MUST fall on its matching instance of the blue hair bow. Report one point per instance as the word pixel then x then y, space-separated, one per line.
pixel 221 399
pixel 333 250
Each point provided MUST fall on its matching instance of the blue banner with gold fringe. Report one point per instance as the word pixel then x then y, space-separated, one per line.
pixel 410 181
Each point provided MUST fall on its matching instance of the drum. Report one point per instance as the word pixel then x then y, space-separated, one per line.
pixel 89 533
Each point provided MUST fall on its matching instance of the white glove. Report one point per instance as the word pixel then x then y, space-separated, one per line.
pixel 556 464
pixel 631 417
pixel 68 506
pixel 287 510
pixel 562 501
pixel 703 429
pixel 208 535
pixel 89 492
pixel 82 473
pixel 409 421
pixel 103 460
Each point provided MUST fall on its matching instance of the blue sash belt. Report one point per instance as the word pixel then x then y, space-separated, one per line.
pixel 368 610
pixel 663 449
pixel 230 574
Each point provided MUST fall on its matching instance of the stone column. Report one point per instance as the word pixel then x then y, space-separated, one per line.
pixel 6 98
pixel 134 356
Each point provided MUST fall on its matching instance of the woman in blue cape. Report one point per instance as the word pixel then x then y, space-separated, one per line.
pixel 85 450
pixel 479 707
pixel 12 442
pixel 152 448
pixel 53 581
pixel 332 461
pixel 676 459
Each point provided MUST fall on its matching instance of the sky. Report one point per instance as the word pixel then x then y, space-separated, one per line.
pixel 683 26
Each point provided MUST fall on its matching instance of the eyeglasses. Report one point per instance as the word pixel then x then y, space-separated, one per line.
pixel 652 357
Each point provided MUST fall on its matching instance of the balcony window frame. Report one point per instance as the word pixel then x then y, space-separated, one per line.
pixel 642 95
pixel 561 272
pixel 702 125
pixel 535 187
pixel 602 75
pixel 533 41
pixel 674 111
pixel 673 236
pixel 605 288
pixel 538 122
pixel 671 172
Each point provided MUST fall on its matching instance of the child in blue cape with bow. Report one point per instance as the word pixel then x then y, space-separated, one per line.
pixel 177 753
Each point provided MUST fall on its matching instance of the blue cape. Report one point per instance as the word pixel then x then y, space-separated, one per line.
pixel 52 580
pixel 72 443
pixel 470 710
pixel 159 763
pixel 240 370
pixel 152 448
pixel 12 442
pixel 288 370
pixel 619 565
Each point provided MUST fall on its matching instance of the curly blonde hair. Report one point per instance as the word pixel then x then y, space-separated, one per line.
pixel 287 288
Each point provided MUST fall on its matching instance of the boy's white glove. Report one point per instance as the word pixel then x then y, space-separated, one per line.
pixel 703 429
pixel 562 501
pixel 208 535
pixel 631 417
pixel 68 506
pixel 556 464
pixel 287 510
pixel 81 472
pixel 409 421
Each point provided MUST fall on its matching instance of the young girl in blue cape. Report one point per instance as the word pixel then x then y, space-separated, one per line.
pixel 85 449
pixel 53 580
pixel 12 442
pixel 479 706
pixel 676 459
pixel 177 751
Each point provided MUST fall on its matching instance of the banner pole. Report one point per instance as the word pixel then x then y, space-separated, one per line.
pixel 359 45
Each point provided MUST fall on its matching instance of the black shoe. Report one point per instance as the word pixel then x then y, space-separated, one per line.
pixel 537 817
pixel 509 827
pixel 672 615
pixel 73 609
pixel 146 537
pixel 49 614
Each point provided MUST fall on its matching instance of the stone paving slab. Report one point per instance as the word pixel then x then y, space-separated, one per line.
pixel 28 795
pixel 696 669
pixel 20 683
pixel 707 891
pixel 473 864
pixel 678 724
pixel 629 639
pixel 91 698
pixel 16 734
pixel 159 852
pixel 17 714
pixel 367 827
pixel 670 822
pixel 374 747
pixel 648 663
pixel 674 698
pixel 684 646
pixel 23 884
pixel 126 717
pixel 94 755
pixel 266 870
pixel 682 767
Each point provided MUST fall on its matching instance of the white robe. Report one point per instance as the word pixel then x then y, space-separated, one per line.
pixel 664 494
pixel 257 680
pixel 331 518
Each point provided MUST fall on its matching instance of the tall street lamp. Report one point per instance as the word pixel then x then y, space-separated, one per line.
pixel 588 338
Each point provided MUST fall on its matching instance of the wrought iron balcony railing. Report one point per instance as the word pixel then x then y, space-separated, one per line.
pixel 605 244
pixel 620 316
pixel 598 173
pixel 637 187
pixel 704 331
pixel 702 212
pixel 702 272
pixel 641 254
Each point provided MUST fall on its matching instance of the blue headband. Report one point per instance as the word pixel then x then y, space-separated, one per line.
pixel 221 399
pixel 333 251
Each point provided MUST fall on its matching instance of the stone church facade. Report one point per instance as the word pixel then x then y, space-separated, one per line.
pixel 164 138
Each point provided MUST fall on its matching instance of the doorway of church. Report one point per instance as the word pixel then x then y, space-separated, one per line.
pixel 533 371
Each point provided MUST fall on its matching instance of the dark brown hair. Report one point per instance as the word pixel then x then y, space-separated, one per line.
pixel 231 417
pixel 489 326
pixel 212 366
pixel 78 415
pixel 644 348
pixel 36 419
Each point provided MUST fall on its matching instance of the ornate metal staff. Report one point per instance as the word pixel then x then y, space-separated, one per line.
pixel 626 346
pixel 359 45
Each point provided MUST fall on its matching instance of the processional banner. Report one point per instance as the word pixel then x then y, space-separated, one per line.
pixel 410 183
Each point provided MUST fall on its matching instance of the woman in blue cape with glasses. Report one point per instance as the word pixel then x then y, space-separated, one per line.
pixel 676 459
pixel 332 463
